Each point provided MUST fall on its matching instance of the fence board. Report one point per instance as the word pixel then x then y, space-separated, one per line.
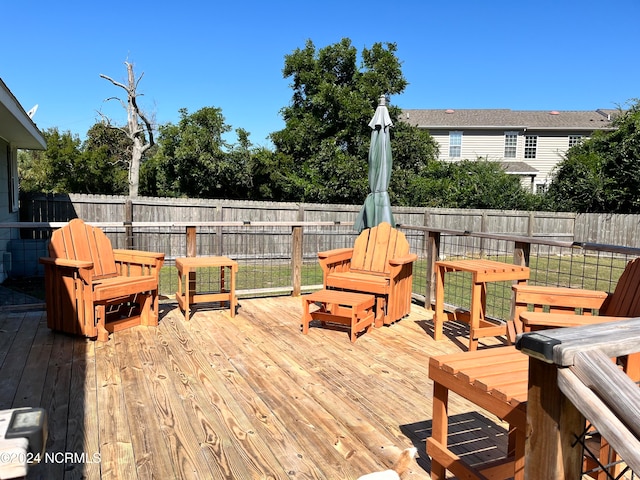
pixel 595 228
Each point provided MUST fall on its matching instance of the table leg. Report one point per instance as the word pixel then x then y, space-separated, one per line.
pixel 190 286
pixel 438 315
pixel 518 462
pixel 439 427
pixel 182 295
pixel 478 299
pixel 232 298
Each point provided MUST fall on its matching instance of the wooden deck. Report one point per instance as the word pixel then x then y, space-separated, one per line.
pixel 234 398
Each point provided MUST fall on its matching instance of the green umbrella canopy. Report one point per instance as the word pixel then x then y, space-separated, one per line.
pixel 377 206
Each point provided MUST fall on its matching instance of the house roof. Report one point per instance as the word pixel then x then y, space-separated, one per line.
pixel 506 118
pixel 16 127
pixel 519 168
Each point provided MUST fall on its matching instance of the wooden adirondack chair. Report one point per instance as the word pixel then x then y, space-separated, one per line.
pixel 92 289
pixel 380 264
pixel 555 307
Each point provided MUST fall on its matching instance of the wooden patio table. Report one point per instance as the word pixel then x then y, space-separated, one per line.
pixel 495 379
pixel 186 293
pixel 483 271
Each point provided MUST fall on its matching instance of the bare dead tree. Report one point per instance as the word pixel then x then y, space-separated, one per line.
pixel 139 129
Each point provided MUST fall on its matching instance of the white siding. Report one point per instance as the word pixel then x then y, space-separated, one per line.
pixel 489 144
pixel 5 214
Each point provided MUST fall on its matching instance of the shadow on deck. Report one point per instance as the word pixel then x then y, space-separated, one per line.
pixel 248 397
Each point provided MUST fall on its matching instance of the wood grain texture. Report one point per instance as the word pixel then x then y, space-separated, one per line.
pixel 248 397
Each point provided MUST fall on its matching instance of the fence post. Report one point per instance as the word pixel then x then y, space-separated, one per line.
pixel 483 228
pixel 219 214
pixel 433 253
pixel 128 219
pixel 296 260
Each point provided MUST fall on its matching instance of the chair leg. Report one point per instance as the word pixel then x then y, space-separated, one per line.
pixel 101 318
pixel 380 312
pixel 148 316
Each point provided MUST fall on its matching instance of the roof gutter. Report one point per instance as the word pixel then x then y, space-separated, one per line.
pixel 22 132
pixel 508 127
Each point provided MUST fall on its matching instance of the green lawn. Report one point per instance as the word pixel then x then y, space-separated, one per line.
pixel 574 271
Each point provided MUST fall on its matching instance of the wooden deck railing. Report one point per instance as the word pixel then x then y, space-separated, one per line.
pixel 295 244
pixel 575 364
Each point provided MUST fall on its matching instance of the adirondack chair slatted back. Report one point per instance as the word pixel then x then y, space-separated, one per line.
pixel 625 299
pixel 375 246
pixel 79 241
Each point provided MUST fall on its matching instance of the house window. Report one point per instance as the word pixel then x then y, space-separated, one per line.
pixel 530 146
pixel 510 144
pixel 455 144
pixel 574 140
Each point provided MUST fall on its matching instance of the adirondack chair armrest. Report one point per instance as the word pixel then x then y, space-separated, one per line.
pixel 138 262
pixel 537 320
pixel 63 262
pixel 337 255
pixel 559 296
pixel 65 267
pixel 139 257
pixel 405 259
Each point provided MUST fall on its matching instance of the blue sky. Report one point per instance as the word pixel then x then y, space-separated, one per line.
pixel 556 55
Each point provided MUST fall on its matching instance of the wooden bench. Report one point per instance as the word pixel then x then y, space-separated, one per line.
pixel 346 308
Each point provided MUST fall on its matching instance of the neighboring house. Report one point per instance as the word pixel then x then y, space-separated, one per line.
pixel 17 131
pixel 528 143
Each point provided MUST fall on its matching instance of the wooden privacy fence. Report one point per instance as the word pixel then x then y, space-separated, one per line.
pixel 608 229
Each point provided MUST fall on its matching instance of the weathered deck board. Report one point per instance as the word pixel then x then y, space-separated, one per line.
pixel 233 398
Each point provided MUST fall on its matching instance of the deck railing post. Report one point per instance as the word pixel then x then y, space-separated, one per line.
pixel 297 237
pixel 191 242
pixel 521 256
pixel 555 423
pixel 190 286
pixel 521 253
pixel 433 253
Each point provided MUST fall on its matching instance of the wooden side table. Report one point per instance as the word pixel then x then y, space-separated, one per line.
pixel 186 294
pixel 483 271
pixel 495 379
pixel 346 308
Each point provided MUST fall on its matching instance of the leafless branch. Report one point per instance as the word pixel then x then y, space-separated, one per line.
pixel 117 84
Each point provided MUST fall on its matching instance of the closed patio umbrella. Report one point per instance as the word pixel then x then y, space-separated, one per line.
pixel 377 206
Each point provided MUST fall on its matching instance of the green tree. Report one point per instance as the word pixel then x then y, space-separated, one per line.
pixel 470 184
pixel 193 159
pixel 102 167
pixel 601 174
pixel 53 170
pixel 326 137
